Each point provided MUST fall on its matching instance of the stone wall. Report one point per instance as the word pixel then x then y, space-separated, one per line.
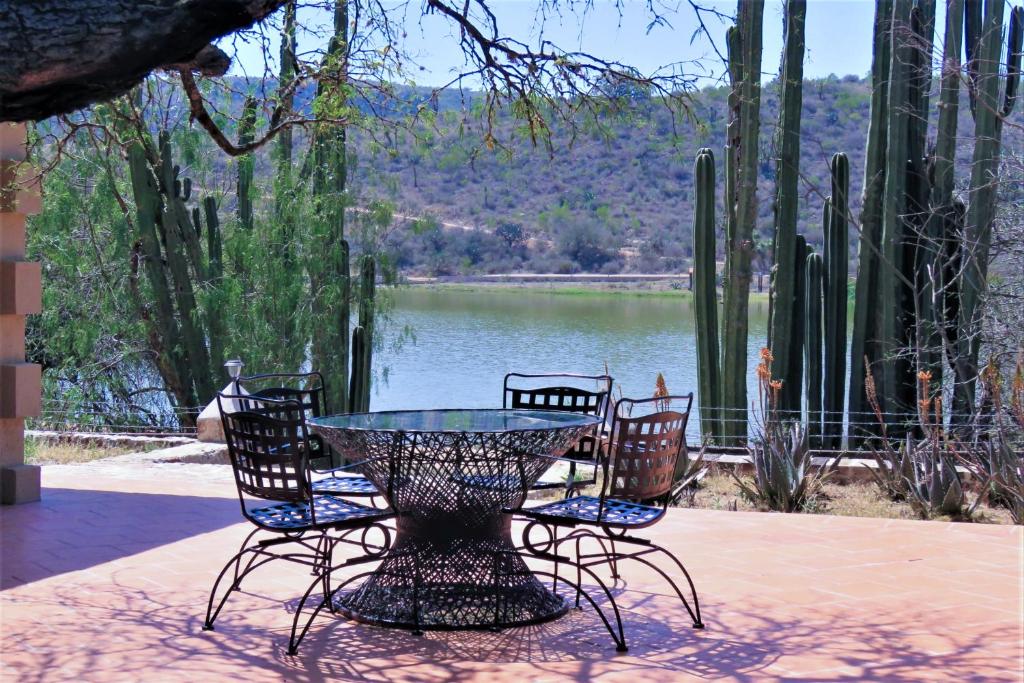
pixel 20 295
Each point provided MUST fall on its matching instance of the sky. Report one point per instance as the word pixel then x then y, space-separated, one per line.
pixel 838 36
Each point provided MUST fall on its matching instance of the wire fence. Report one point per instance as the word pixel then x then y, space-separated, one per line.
pixel 830 435
pixel 114 418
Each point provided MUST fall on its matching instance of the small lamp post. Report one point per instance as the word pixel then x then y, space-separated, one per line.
pixel 234 368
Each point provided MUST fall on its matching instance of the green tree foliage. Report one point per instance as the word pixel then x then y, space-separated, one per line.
pixel 152 279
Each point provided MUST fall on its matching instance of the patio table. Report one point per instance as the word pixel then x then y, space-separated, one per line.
pixel 449 474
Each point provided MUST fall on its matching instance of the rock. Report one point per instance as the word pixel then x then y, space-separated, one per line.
pixel 209 428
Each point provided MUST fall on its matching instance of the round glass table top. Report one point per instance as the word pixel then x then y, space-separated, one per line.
pixel 484 420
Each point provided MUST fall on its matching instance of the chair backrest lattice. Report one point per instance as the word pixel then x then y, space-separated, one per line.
pixel 268 448
pixel 644 449
pixel 563 399
pixel 306 388
pixel 562 392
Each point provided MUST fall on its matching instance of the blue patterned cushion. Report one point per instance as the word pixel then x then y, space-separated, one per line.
pixel 585 509
pixel 329 510
pixel 346 486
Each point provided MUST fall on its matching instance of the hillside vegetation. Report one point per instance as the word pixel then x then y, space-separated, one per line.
pixel 616 197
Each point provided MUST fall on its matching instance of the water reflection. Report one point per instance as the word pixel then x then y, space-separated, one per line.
pixel 467 341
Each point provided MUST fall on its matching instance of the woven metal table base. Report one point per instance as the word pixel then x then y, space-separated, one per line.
pixel 432 582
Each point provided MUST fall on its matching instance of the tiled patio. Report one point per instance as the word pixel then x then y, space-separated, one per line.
pixel 106 580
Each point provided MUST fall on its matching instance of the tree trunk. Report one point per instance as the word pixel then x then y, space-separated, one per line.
pixel 62 55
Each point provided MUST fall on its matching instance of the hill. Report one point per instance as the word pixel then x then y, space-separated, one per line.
pixel 617 200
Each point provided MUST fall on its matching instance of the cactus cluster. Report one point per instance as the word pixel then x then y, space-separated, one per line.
pixel 918 248
pixel 180 270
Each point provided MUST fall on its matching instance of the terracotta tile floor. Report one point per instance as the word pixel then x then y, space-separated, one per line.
pixel 106 580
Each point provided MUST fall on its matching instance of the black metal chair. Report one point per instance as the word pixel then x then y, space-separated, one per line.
pixel 564 392
pixel 269 453
pixel 639 469
pixel 308 389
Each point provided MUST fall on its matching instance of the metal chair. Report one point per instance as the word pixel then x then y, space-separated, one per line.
pixel 638 469
pixel 269 453
pixel 308 389
pixel 564 392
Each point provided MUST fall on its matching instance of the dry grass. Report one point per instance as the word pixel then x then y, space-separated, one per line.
pixel 718 491
pixel 66 453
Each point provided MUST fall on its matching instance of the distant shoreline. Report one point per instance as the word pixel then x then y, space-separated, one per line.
pixel 644 285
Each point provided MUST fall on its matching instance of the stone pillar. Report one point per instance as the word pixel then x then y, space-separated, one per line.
pixel 20 295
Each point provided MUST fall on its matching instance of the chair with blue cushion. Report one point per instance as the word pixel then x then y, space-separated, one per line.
pixel 268 446
pixel 309 390
pixel 639 468
pixel 564 392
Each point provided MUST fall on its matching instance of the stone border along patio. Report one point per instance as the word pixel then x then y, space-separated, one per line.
pixel 106 579
pixel 183 449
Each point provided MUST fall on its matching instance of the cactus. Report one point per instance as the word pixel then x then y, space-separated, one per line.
pixel 836 276
pixel 865 322
pixel 784 339
pixel 329 273
pixel 246 126
pixel 180 269
pixel 813 332
pixel 705 296
pixel 936 280
pixel 984 44
pixel 361 358
pixel 894 375
pixel 792 384
pixel 359 381
pixel 744 42
pixel 362 340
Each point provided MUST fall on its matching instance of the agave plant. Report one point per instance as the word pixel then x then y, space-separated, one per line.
pixel 784 478
pixel 894 469
pixel 935 485
pixel 1001 466
pixel 688 474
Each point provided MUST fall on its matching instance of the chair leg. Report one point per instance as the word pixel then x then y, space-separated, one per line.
pixel 245 544
pixel 620 636
pixel 211 613
pixel 614 560
pixel 296 636
pixel 327 562
pixel 695 612
pixel 579 572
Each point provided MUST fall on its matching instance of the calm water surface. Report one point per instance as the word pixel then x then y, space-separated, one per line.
pixel 465 342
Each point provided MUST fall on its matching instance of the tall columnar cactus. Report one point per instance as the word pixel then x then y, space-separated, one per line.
pixel 362 357
pixel 359 381
pixel 813 333
pixel 246 130
pixel 795 376
pixel 329 272
pixel 895 377
pixel 705 296
pixel 744 43
pixel 182 272
pixel 924 274
pixel 837 258
pixel 865 328
pixel 783 313
pixel 362 340
pixel 984 45
pixel 936 280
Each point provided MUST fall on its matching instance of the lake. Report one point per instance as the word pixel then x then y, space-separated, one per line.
pixel 465 342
